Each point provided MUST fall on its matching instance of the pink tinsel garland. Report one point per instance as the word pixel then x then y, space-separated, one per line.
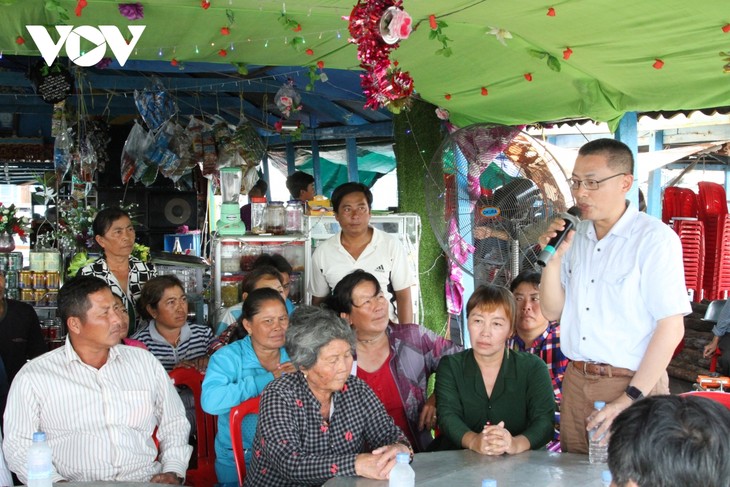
pixel 381 83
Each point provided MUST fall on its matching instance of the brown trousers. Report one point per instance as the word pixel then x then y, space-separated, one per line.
pixel 580 391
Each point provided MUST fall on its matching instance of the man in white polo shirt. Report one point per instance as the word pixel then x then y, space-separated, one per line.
pixel 360 246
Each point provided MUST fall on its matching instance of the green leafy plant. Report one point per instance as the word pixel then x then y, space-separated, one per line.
pixel 552 61
pixel 439 35
pixel 13 224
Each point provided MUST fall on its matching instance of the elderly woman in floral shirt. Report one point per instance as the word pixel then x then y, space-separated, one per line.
pixel 316 423
pixel 395 360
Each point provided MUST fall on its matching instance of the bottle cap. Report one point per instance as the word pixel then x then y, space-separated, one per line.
pixel 598 405
pixel 489 483
pixel 39 436
pixel 606 476
pixel 258 199
pixel 403 457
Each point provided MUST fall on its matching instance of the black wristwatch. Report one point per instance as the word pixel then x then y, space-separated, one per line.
pixel 633 393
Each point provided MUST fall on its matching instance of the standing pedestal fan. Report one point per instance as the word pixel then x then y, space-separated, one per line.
pixel 491 191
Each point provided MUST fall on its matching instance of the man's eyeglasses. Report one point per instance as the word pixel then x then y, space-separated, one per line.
pixel 590 184
pixel 369 303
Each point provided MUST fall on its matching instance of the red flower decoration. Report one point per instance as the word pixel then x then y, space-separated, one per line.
pixel 223 53
pixel 447 96
pixel 205 4
pixel 348 435
pixel 19 40
pixel 298 402
pixel 174 62
pixel 80 5
pixel 320 64
pixel 264 471
pixel 323 428
pixel 567 53
pixel 528 76
pixel 334 468
pixel 297 28
pixel 484 91
pixel 225 31
pixel 551 12
pixel 658 64
pixel 726 28
pixel 432 22
pixel 257 453
pixel 309 52
pixel 344 388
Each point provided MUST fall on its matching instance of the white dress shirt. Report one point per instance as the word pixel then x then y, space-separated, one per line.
pixel 6 480
pixel 617 288
pixel 98 422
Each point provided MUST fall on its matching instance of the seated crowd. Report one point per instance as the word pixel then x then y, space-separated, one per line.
pixel 343 389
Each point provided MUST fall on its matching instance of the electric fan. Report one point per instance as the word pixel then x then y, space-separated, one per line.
pixel 491 191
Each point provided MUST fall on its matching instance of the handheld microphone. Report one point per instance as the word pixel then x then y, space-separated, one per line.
pixel 571 218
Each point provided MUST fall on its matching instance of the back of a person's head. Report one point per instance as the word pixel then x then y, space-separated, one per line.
pixel 274 260
pixel 671 441
pixel 297 182
pixel 260 273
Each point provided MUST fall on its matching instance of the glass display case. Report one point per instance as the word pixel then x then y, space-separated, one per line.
pixel 233 258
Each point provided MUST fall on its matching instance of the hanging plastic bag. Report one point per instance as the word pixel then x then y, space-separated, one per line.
pixel 62 151
pixel 137 143
pixel 155 105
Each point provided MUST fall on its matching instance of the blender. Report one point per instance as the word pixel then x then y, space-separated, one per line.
pixel 230 223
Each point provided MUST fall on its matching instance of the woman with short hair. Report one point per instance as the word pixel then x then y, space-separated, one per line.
pixel 315 423
pixel 490 399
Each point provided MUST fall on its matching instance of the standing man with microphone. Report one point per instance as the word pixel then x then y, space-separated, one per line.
pixel 616 283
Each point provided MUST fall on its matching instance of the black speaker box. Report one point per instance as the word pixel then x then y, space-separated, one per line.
pixel 167 210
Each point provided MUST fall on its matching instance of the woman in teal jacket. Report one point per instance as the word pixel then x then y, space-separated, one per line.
pixel 241 370
pixel 490 399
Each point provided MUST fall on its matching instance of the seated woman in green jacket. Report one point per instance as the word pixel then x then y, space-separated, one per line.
pixel 490 399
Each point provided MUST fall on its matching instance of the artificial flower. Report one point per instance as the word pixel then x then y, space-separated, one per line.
pixel 500 34
pixel 400 24
pixel 133 11
pixel 442 113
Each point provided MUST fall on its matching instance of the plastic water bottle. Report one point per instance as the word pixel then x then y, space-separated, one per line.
pixel 606 478
pixel 402 474
pixel 489 483
pixel 40 463
pixel 597 453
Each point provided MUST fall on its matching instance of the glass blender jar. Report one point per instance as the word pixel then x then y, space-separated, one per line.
pixel 230 223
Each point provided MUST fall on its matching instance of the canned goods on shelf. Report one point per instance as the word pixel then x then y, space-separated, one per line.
pixel 27 295
pixel 39 296
pixel 53 280
pixel 12 293
pixel 15 261
pixel 52 298
pixel 25 280
pixel 39 280
pixel 3 260
pixel 11 280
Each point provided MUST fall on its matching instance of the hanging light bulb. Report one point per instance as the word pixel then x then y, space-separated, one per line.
pixel 338 34
pixel 159 53
pixel 232 48
pixel 266 44
pixel 197 51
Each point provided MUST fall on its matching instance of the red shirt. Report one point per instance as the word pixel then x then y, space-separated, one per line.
pixel 383 384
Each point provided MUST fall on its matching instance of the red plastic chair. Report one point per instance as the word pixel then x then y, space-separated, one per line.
pixel 203 475
pixel 249 406
pixel 721 397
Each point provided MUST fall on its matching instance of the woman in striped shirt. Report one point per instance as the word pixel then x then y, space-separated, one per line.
pixel 168 336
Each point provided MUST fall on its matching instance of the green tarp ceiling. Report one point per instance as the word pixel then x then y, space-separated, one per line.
pixel 625 55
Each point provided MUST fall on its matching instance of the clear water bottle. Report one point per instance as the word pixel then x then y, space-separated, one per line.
pixel 597 453
pixel 402 474
pixel 40 462
pixel 489 483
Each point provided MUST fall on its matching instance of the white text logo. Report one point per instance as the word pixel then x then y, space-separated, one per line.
pixel 71 36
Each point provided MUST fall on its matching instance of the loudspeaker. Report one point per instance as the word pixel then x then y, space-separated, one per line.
pixel 167 210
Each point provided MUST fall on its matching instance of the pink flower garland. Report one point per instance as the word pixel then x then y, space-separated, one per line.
pixel 382 83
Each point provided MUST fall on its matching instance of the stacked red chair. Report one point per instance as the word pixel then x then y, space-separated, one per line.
pixel 712 211
pixel 692 236
pixel 678 202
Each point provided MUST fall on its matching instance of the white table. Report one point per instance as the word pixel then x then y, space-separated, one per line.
pixel 464 468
